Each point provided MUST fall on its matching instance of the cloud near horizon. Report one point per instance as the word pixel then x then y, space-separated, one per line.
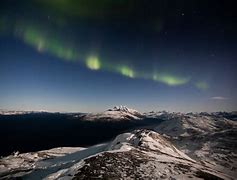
pixel 219 98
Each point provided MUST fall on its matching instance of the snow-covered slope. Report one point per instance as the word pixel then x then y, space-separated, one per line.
pixel 183 146
pixel 186 125
pixel 140 154
pixel 115 114
pixel 37 165
pixel 146 139
pixel 207 138
pixel 27 161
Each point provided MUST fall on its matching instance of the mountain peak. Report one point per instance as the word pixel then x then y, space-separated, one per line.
pixel 115 114
pixel 123 109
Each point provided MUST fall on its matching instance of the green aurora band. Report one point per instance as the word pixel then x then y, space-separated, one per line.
pixel 43 43
pixel 46 42
pixel 171 80
pixel 126 71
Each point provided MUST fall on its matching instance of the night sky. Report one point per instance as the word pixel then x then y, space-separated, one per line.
pixel 89 55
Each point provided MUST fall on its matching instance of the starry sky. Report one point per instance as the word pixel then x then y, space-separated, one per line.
pixel 89 55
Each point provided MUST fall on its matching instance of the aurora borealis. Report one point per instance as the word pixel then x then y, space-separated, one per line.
pixel 175 46
pixel 47 43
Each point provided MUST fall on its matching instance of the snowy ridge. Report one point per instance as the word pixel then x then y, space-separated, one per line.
pixel 185 125
pixel 142 154
pixel 13 112
pixel 146 139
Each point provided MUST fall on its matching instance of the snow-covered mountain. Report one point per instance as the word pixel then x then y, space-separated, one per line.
pixel 182 146
pixel 115 114
pixel 207 138
pixel 140 154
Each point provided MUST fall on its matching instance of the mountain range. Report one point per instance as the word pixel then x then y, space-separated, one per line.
pixel 182 146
